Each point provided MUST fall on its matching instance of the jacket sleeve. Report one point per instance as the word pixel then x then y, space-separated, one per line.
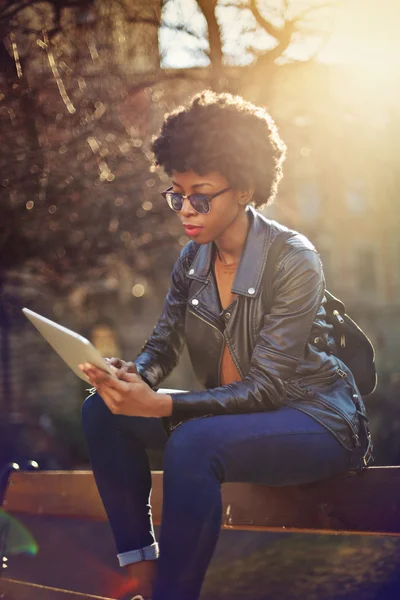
pixel 281 342
pixel 160 353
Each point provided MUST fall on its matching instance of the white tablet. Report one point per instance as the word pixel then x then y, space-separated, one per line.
pixel 73 348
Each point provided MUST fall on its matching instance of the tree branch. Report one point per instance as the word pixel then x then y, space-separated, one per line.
pixel 214 35
pixel 273 31
pixel 182 28
pixel 283 35
pixel 307 11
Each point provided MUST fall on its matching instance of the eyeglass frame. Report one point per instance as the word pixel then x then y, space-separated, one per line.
pixel 208 197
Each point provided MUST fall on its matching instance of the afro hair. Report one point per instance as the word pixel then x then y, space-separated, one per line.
pixel 225 133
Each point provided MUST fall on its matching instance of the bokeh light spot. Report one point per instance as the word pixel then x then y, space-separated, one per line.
pixel 126 236
pixel 124 147
pixel 113 226
pixel 138 290
pixel 147 237
pixel 305 152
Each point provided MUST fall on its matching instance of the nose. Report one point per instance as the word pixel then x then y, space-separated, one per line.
pixel 187 209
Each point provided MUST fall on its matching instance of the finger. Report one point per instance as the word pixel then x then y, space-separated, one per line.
pixel 129 367
pixel 92 381
pixel 85 371
pixel 89 370
pixel 115 400
pixel 108 398
pixel 129 377
pixel 99 377
pixel 109 393
pixel 95 370
pixel 116 362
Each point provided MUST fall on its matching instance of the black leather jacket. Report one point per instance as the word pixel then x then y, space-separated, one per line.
pixel 275 352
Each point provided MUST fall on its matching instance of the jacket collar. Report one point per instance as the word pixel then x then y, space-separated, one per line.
pixel 252 262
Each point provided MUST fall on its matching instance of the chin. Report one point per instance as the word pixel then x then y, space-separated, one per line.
pixel 202 238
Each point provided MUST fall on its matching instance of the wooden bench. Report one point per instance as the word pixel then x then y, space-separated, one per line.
pixel 367 504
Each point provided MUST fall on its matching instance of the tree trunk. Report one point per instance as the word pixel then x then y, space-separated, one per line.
pixel 214 38
pixel 136 26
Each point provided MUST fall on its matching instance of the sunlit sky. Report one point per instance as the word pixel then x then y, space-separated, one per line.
pixel 367 32
pixel 364 32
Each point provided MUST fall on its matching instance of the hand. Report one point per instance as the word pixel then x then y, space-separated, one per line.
pixel 128 395
pixel 120 366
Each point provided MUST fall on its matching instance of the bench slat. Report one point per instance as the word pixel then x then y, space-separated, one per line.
pixel 366 504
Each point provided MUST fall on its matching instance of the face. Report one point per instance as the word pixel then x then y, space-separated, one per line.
pixel 225 209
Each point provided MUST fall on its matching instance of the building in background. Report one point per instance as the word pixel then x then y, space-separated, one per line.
pixel 341 189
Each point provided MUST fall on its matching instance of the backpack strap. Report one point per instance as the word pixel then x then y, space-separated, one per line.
pixel 272 257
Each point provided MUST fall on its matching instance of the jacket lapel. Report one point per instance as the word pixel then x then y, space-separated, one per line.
pixel 252 262
pixel 251 265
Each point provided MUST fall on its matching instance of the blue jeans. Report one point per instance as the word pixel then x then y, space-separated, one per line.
pixel 282 447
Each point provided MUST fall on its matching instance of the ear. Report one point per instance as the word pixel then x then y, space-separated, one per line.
pixel 245 196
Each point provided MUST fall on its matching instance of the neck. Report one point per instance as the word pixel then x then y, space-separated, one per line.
pixel 230 245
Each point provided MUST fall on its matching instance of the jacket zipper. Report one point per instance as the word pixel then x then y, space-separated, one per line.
pixel 326 379
pixel 223 338
pixel 345 417
pixel 355 435
pixel 207 318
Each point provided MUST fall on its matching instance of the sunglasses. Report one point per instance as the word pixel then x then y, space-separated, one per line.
pixel 200 202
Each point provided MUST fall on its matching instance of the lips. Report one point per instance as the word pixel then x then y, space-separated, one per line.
pixel 192 230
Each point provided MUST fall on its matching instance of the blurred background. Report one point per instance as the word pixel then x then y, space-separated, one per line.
pixel 87 240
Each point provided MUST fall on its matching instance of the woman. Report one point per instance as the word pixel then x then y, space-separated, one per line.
pixel 280 407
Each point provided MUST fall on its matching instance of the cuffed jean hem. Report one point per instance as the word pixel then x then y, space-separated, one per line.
pixel 134 556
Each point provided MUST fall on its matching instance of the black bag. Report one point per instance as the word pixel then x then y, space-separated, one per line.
pixel 352 346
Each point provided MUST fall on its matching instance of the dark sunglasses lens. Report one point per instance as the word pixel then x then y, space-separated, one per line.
pixel 174 200
pixel 200 203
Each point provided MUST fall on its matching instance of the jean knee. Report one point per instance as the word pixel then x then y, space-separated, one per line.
pixel 95 413
pixel 189 454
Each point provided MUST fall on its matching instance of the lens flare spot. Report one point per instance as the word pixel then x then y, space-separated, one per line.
pixel 14 537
